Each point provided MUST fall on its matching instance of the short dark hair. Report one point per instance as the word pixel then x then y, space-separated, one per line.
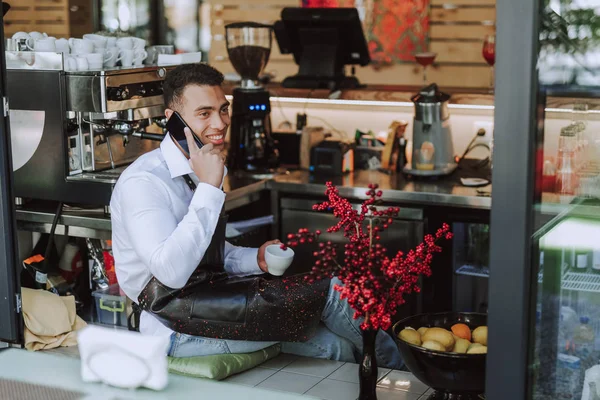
pixel 180 77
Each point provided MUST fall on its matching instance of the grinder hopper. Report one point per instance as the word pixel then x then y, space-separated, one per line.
pixel 249 48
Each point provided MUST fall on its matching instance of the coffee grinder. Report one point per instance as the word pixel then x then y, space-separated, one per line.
pixel 252 149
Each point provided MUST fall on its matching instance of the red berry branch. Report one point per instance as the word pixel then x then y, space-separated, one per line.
pixel 373 284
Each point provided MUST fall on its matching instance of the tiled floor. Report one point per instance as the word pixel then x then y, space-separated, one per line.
pixel 328 380
pixel 324 379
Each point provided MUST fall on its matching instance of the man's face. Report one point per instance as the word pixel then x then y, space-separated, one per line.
pixel 206 111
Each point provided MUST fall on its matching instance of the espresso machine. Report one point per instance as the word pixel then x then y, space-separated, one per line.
pixel 432 147
pixel 252 150
pixel 74 132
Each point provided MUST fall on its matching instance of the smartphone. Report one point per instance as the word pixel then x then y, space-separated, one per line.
pixel 175 126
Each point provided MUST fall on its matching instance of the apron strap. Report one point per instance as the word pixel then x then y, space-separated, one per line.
pixel 190 182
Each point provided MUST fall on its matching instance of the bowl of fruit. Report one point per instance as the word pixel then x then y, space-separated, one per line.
pixel 446 351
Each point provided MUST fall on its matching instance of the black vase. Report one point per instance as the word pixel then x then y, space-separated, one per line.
pixel 367 370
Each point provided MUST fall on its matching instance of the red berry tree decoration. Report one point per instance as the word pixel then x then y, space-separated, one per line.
pixel 373 284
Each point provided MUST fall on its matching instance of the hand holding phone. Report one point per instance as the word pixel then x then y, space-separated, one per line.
pixel 206 162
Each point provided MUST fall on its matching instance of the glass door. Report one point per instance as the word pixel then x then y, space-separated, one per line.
pixel 564 355
pixel 544 314
pixel 10 303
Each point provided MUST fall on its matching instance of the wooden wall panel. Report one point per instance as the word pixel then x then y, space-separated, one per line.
pixel 457 52
pixel 446 31
pixel 457 29
pixel 60 18
pixel 460 14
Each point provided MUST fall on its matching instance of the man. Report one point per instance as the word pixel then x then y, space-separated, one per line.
pixel 164 228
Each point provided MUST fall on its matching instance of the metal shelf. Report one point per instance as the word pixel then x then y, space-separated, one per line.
pixel 469 270
pixel 582 282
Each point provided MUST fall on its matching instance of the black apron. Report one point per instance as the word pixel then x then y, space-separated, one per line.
pixel 256 308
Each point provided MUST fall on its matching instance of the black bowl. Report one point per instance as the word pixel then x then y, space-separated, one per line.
pixel 450 373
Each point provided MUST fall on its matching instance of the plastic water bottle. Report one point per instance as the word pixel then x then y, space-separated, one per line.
pixel 584 339
pixel 568 324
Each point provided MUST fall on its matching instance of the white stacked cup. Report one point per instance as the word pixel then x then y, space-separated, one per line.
pixel 95 60
pixel 42 44
pixel 111 46
pixel 110 57
pixel 126 54
pixel 70 63
pixel 62 46
pixel 139 53
pixel 131 51
pixel 81 46
pixel 82 63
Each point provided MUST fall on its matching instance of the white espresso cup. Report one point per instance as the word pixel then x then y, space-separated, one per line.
pixel 126 57
pixel 278 260
pixel 125 43
pixel 95 61
pixel 96 38
pixel 138 44
pixel 81 46
pixel 37 35
pixel 111 56
pixel 44 44
pixel 82 63
pixel 111 41
pixel 62 46
pixel 139 56
pixel 70 63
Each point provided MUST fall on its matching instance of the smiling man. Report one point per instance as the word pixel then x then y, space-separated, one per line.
pixel 171 257
pixel 197 95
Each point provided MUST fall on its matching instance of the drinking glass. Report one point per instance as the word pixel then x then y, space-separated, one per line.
pixel 425 59
pixel 489 54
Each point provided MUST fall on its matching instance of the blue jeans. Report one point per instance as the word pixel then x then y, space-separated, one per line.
pixel 338 338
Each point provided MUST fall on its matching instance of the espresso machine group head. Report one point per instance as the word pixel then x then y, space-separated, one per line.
pixel 252 150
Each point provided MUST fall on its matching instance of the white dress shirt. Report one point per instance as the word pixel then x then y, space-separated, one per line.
pixel 161 228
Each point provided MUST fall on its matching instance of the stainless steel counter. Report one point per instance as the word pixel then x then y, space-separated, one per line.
pixel 241 191
pixel 396 188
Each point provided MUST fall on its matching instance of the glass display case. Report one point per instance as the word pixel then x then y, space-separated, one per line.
pixel 470 259
pixel 544 312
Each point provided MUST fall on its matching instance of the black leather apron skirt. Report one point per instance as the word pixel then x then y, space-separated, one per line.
pixel 256 308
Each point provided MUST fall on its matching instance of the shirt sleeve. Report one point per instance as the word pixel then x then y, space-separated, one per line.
pixel 241 261
pixel 171 250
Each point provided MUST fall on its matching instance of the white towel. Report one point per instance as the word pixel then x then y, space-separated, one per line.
pixel 122 358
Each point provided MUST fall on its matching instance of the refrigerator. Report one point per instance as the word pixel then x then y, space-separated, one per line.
pixel 544 293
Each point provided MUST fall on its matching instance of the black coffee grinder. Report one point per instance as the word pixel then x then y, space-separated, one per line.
pixel 252 150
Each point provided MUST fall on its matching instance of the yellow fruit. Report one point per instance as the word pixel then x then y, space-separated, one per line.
pixel 461 346
pixel 473 346
pixel 411 336
pixel 441 336
pixel 422 330
pixel 433 345
pixel 478 350
pixel 480 335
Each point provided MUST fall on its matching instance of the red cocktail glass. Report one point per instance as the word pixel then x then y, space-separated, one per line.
pixel 425 59
pixel 489 54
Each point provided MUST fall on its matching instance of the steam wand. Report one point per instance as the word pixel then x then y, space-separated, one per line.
pixel 148 136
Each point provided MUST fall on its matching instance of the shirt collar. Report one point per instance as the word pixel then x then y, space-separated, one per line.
pixel 177 163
